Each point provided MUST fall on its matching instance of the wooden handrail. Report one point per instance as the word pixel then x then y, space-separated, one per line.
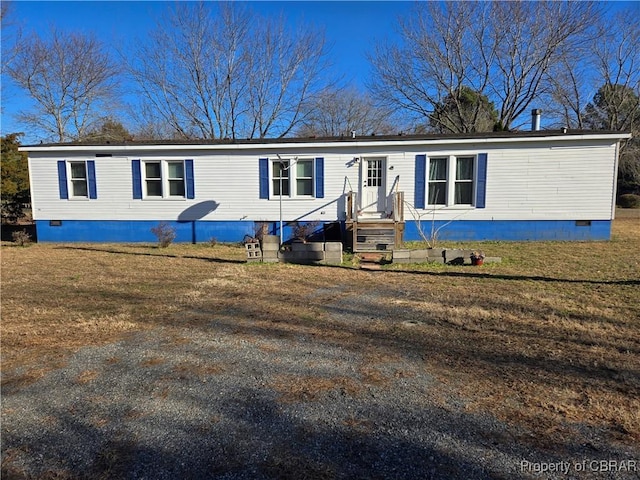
pixel 398 206
pixel 352 206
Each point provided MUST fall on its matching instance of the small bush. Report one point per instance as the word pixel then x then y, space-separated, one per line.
pixel 261 229
pixel 165 233
pixel 303 231
pixel 21 237
pixel 11 211
pixel 213 242
pixel 629 200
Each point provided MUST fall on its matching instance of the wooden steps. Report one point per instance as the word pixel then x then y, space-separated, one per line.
pixel 376 235
pixel 371 260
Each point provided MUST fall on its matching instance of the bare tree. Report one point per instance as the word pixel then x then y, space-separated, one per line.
pixel 616 104
pixel 617 60
pixel 223 72
pixel 285 73
pixel 503 50
pixel 7 23
pixel 189 71
pixel 10 32
pixel 71 79
pixel 435 58
pixel 339 111
pixel 571 90
pixel 531 38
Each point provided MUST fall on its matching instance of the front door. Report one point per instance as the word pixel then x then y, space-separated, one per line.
pixel 373 199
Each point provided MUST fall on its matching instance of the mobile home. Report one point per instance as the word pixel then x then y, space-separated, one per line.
pixel 534 185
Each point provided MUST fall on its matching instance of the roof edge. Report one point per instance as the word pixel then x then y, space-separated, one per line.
pixel 371 140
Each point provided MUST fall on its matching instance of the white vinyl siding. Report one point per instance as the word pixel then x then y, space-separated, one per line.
pixel 526 180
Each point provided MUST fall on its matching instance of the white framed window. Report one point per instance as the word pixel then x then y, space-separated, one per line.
pixel 280 178
pixel 304 178
pixel 163 179
pixel 437 194
pixel 463 188
pixel 175 177
pixel 294 178
pixel 78 180
pixel 451 180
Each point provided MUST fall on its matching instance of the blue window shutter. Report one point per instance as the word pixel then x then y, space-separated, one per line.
pixel 481 188
pixel 91 176
pixel 62 179
pixel 320 177
pixel 188 169
pixel 137 179
pixel 264 177
pixel 420 180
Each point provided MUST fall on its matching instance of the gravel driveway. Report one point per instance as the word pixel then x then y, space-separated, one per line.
pixel 225 402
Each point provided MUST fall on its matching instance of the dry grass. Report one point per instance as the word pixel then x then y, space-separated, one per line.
pixel 548 339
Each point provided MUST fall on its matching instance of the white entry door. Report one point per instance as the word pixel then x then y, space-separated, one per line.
pixel 372 173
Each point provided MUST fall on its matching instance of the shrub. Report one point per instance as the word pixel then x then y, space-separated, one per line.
pixel 21 237
pixel 302 231
pixel 213 242
pixel 11 211
pixel 261 229
pixel 629 200
pixel 165 234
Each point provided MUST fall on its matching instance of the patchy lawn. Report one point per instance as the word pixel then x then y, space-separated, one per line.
pixel 548 340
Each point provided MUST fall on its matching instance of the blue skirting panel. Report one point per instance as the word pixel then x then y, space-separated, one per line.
pixel 235 231
pixel 512 230
pixel 140 230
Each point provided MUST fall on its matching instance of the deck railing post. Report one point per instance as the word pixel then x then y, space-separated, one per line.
pixel 398 206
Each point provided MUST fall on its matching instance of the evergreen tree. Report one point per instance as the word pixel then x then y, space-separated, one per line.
pixel 15 178
pixel 464 111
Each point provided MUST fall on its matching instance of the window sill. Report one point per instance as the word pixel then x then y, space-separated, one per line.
pixel 449 207
pixel 292 199
pixel 164 199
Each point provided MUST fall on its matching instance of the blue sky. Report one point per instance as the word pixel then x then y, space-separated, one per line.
pixel 351 28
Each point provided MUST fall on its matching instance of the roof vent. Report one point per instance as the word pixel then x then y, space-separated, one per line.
pixel 353 134
pixel 535 119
